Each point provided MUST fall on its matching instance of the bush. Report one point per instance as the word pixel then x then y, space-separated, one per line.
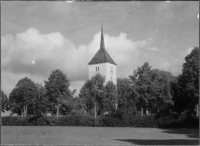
pixel 127 121
pixel 161 121
pixel 191 121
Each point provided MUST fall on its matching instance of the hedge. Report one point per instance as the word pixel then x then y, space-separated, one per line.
pixel 152 121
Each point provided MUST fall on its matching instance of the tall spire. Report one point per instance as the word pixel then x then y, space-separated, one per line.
pixel 102 46
pixel 102 55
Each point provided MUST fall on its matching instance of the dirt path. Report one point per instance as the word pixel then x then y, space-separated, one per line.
pixel 98 136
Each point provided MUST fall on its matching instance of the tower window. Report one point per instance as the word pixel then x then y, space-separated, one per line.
pixel 97 68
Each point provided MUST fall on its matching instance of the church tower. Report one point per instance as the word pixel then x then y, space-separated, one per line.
pixel 103 64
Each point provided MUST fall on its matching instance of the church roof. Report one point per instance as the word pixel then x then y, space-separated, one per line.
pixel 102 55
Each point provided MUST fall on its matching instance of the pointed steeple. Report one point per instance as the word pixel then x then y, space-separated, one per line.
pixel 102 39
pixel 102 55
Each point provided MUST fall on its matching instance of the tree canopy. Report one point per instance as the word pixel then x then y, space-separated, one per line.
pixel 22 96
pixel 5 105
pixel 186 95
pixel 57 91
pixel 93 93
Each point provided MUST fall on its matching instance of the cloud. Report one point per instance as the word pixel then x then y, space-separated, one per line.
pixel 36 55
pixel 152 48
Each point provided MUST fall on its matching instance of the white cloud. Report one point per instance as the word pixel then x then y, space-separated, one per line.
pixel 36 55
pixel 152 48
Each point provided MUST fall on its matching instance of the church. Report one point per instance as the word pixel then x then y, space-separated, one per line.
pixel 103 64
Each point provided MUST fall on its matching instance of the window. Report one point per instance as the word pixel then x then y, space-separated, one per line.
pixel 97 68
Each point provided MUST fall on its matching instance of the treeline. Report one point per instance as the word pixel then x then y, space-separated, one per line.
pixel 147 91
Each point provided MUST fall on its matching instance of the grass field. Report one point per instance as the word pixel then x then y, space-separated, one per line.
pixel 98 136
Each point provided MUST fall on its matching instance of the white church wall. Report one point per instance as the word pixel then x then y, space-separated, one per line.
pixel 93 71
pixel 111 72
pixel 108 70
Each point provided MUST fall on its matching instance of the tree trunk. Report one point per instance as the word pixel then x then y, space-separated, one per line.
pixel 57 112
pixel 24 113
pixel 95 110
pixel 141 110
pixel 197 109
pixel 147 112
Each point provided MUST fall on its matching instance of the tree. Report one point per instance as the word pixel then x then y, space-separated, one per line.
pixel 127 96
pixel 110 99
pixel 188 84
pixel 141 79
pixel 40 104
pixel 57 90
pixel 177 95
pixel 78 106
pixel 93 92
pixel 161 87
pixel 22 96
pixel 86 94
pixel 5 104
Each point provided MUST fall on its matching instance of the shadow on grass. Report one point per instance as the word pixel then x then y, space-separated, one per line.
pixel 190 133
pixel 161 141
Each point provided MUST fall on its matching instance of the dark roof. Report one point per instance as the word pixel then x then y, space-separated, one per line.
pixel 102 55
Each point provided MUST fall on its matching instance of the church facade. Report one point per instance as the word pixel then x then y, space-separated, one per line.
pixel 103 64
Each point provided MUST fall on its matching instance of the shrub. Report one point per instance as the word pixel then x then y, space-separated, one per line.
pixel 191 121
pixel 167 121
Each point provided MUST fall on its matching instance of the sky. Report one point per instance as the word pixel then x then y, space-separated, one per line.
pixel 39 37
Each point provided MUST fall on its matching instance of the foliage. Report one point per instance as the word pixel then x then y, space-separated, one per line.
pixel 110 99
pixel 141 79
pixel 161 83
pixel 78 106
pixel 153 88
pixel 190 79
pixel 22 96
pixel 167 121
pixel 186 92
pixel 58 92
pixel 5 104
pixel 92 94
pixel 40 104
pixel 127 96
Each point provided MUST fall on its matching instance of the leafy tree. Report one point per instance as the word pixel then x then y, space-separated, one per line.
pixel 141 79
pixel 161 83
pixel 127 96
pixel 78 106
pixel 177 95
pixel 22 96
pixel 93 92
pixel 86 94
pixel 5 104
pixel 57 90
pixel 40 104
pixel 110 99
pixel 188 84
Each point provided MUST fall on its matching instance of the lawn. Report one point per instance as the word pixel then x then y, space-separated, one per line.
pixel 97 135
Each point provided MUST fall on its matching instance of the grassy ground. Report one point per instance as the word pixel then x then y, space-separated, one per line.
pixel 98 136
